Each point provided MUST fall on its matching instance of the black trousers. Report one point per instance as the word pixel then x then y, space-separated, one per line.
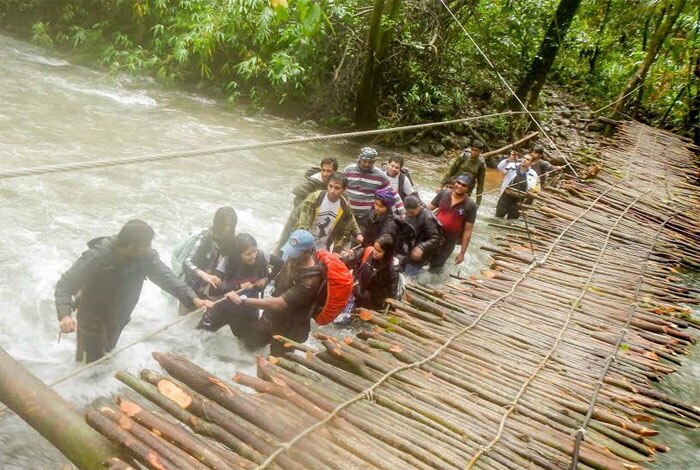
pixel 282 323
pixel 237 317
pixel 508 206
pixel 438 260
pixel 96 335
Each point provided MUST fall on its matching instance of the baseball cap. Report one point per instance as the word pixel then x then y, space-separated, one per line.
pixel 299 242
pixel 368 153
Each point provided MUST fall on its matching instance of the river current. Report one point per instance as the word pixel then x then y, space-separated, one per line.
pixel 54 112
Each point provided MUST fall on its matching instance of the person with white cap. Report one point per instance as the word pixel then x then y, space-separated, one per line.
pixel 294 300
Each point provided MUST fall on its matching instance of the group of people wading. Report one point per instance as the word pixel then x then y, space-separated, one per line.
pixel 346 241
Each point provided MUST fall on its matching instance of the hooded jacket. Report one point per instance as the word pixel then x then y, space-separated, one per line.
pixel 111 288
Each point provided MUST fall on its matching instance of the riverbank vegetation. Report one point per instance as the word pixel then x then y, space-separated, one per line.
pixel 368 63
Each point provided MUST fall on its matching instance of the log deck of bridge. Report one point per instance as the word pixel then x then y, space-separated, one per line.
pixel 539 362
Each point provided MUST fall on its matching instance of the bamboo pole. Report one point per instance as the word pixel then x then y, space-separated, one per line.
pixel 53 417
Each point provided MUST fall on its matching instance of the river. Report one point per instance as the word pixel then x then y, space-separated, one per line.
pixel 56 112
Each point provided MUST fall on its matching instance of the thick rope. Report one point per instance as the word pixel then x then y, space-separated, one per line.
pixel 41 170
pixel 77 166
pixel 576 303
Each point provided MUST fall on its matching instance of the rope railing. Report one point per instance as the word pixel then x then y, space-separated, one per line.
pixel 557 341
pixel 581 431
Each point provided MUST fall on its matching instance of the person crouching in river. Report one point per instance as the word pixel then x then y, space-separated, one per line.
pixel 109 277
pixel 376 272
pixel 246 270
pixel 297 297
pixel 200 264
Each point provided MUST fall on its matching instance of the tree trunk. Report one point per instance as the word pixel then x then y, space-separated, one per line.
pixel 530 87
pixel 601 31
pixel 381 29
pixel 53 417
pixel 655 44
pixel 692 123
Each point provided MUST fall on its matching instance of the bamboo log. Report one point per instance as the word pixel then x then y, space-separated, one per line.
pixel 53 417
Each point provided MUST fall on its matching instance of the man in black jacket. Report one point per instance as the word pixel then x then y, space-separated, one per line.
pixel 107 281
pixel 427 228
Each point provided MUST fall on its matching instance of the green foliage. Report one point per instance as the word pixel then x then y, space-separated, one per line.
pixel 313 51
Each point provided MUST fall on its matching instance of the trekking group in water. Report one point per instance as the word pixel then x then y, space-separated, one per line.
pixel 344 245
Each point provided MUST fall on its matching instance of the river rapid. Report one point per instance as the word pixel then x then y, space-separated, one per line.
pixel 55 112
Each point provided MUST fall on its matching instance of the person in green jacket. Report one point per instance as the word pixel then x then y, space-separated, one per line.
pixel 470 163
pixel 327 216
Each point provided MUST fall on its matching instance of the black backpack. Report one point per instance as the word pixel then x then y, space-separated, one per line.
pixel 406 235
pixel 405 173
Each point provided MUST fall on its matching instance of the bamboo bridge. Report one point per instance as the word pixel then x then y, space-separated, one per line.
pixel 546 359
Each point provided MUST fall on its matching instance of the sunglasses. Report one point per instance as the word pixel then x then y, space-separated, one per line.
pixel 461 183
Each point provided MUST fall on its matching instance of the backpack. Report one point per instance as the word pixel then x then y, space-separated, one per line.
pixel 312 171
pixel 406 235
pixel 338 283
pixel 403 174
pixel 180 253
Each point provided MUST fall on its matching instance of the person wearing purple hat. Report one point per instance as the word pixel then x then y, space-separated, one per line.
pixel 381 220
pixel 293 303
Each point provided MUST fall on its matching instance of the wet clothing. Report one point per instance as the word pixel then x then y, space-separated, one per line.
pixel 453 219
pixel 239 318
pixel 542 168
pixel 508 204
pixel 375 279
pixel 302 289
pixel 205 255
pixel 235 273
pixel 312 182
pixel 510 169
pixel 109 290
pixel 361 189
pixel 428 231
pixel 466 165
pixel 378 226
pixel 305 216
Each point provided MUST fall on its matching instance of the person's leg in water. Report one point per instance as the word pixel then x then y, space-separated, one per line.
pixel 437 262
pixel 95 337
pixel 508 207
pixel 216 317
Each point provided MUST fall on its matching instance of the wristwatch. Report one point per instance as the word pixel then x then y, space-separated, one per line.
pixel 244 299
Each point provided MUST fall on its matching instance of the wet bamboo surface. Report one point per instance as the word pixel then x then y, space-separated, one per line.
pixel 506 369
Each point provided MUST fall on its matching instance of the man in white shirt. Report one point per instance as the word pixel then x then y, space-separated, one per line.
pixel 519 179
pixel 399 178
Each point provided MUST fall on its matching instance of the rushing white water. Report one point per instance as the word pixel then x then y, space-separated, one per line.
pixel 54 112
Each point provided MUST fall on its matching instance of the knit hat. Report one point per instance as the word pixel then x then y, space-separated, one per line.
pixel 387 196
pixel 367 153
